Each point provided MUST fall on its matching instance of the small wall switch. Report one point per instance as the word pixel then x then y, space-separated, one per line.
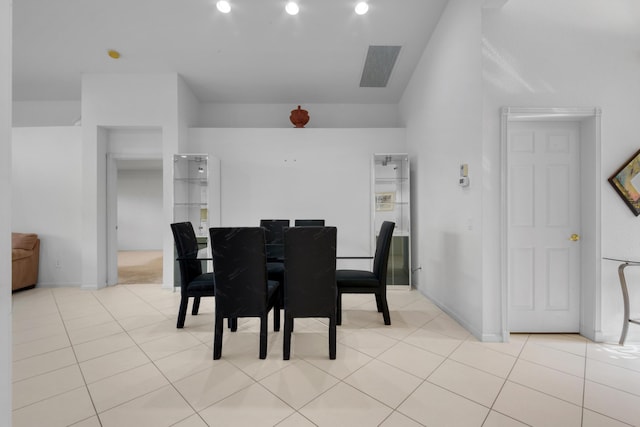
pixel 464 181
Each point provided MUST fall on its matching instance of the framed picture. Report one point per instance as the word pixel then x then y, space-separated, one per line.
pixel 626 182
pixel 385 201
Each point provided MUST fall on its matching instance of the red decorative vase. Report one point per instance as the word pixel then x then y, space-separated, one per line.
pixel 299 117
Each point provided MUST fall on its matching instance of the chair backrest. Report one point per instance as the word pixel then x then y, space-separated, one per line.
pixel 187 248
pixel 240 269
pixel 309 222
pixel 310 271
pixel 274 229
pixel 383 245
pixel 274 237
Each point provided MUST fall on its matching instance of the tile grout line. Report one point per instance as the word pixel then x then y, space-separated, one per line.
pixel 86 386
pixel 151 361
pixel 505 382
pixel 56 300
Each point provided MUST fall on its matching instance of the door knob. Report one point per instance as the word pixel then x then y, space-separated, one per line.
pixel 574 237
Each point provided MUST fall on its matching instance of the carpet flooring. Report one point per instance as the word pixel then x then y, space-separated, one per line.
pixel 139 267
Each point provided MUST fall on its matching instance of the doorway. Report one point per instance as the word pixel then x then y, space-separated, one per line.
pixel 139 217
pixel 550 235
pixel 134 205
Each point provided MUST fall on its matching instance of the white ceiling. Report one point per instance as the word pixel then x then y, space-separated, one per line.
pixel 255 54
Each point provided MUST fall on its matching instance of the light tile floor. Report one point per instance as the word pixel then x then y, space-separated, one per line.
pixel 114 358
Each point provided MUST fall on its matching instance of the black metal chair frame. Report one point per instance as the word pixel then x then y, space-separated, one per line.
pixel 351 282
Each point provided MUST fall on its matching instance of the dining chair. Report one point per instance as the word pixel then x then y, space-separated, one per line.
pixel 242 286
pixel 369 282
pixel 309 222
pixel 310 279
pixel 274 238
pixel 194 283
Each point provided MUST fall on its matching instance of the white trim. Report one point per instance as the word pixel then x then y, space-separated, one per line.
pixel 504 292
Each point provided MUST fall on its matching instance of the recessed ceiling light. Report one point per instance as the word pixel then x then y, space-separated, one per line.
pixel 113 54
pixel 292 8
pixel 362 8
pixel 223 6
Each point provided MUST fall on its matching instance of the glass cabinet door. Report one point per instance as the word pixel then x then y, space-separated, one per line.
pixel 391 202
pixel 190 198
pixel 190 191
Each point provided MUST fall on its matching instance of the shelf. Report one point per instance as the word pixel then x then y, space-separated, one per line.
pixel 198 180
pixel 391 179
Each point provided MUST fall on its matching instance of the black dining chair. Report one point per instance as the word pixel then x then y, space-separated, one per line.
pixel 194 283
pixel 309 222
pixel 310 279
pixel 242 287
pixel 274 238
pixel 369 282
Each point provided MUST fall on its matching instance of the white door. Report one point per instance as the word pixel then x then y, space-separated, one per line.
pixel 543 200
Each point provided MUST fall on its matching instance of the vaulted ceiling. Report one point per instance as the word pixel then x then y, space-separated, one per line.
pixel 257 53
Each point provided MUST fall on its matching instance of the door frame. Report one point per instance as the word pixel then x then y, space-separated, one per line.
pixel 590 208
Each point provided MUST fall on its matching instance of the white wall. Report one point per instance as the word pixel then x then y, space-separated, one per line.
pixel 47 188
pixel 129 100
pixel 277 115
pixel 137 154
pixel 299 173
pixel 140 217
pixel 45 113
pixel 6 13
pixel 209 114
pixel 442 111
pixel 573 53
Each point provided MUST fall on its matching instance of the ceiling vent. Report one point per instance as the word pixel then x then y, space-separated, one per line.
pixel 378 65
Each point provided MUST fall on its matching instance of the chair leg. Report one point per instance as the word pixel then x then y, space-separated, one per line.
pixel 263 336
pixel 385 308
pixel 217 337
pixel 196 306
pixel 288 328
pixel 339 309
pixel 233 323
pixel 379 303
pixel 182 312
pixel 332 338
pixel 276 319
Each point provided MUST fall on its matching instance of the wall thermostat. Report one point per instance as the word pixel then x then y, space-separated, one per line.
pixel 464 175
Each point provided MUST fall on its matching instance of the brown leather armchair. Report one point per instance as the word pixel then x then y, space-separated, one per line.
pixel 25 258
